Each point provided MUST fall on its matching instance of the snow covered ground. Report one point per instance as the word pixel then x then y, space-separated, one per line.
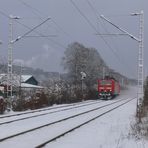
pixel 110 131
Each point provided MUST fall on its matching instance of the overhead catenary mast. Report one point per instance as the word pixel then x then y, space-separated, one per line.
pixel 140 40
pixel 10 52
pixel 10 56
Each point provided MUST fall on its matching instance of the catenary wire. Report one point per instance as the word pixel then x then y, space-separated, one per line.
pixel 40 15
pixel 37 32
pixel 36 11
pixel 94 28
pixel 95 13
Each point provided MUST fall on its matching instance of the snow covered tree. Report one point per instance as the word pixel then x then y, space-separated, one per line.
pixel 75 61
pixel 77 58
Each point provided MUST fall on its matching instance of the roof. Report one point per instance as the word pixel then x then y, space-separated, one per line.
pixel 16 81
pixel 25 77
pixel 25 85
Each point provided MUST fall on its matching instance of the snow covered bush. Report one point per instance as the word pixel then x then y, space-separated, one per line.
pixel 140 129
pixel 145 101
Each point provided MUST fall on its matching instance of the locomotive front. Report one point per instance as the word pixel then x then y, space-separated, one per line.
pixel 108 88
pixel 105 89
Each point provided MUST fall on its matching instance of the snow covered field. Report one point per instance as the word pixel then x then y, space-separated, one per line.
pixel 110 131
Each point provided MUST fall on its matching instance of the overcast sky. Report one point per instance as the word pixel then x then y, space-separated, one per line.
pixel 73 20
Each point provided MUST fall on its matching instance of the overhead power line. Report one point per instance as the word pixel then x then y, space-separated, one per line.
pixel 41 34
pixel 36 11
pixel 122 30
pixel 40 15
pixel 37 32
pixel 83 15
pixel 20 37
pixel 122 62
pixel 94 28
pixel 4 14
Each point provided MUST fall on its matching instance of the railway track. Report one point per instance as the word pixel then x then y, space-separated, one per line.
pixel 65 108
pixel 80 125
pixel 45 109
pixel 112 106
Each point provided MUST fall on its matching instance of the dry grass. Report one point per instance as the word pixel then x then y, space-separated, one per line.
pixel 140 129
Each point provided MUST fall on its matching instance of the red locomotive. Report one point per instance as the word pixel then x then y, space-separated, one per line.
pixel 108 88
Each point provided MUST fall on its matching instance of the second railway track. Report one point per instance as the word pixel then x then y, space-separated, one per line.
pixel 48 111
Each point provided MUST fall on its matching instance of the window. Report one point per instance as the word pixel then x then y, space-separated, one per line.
pixel 105 82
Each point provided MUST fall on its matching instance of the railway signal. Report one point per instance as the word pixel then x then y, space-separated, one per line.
pixel 83 76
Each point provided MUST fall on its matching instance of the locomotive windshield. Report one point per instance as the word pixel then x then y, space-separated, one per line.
pixel 105 82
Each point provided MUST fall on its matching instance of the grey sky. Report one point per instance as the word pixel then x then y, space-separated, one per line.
pixel 72 26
